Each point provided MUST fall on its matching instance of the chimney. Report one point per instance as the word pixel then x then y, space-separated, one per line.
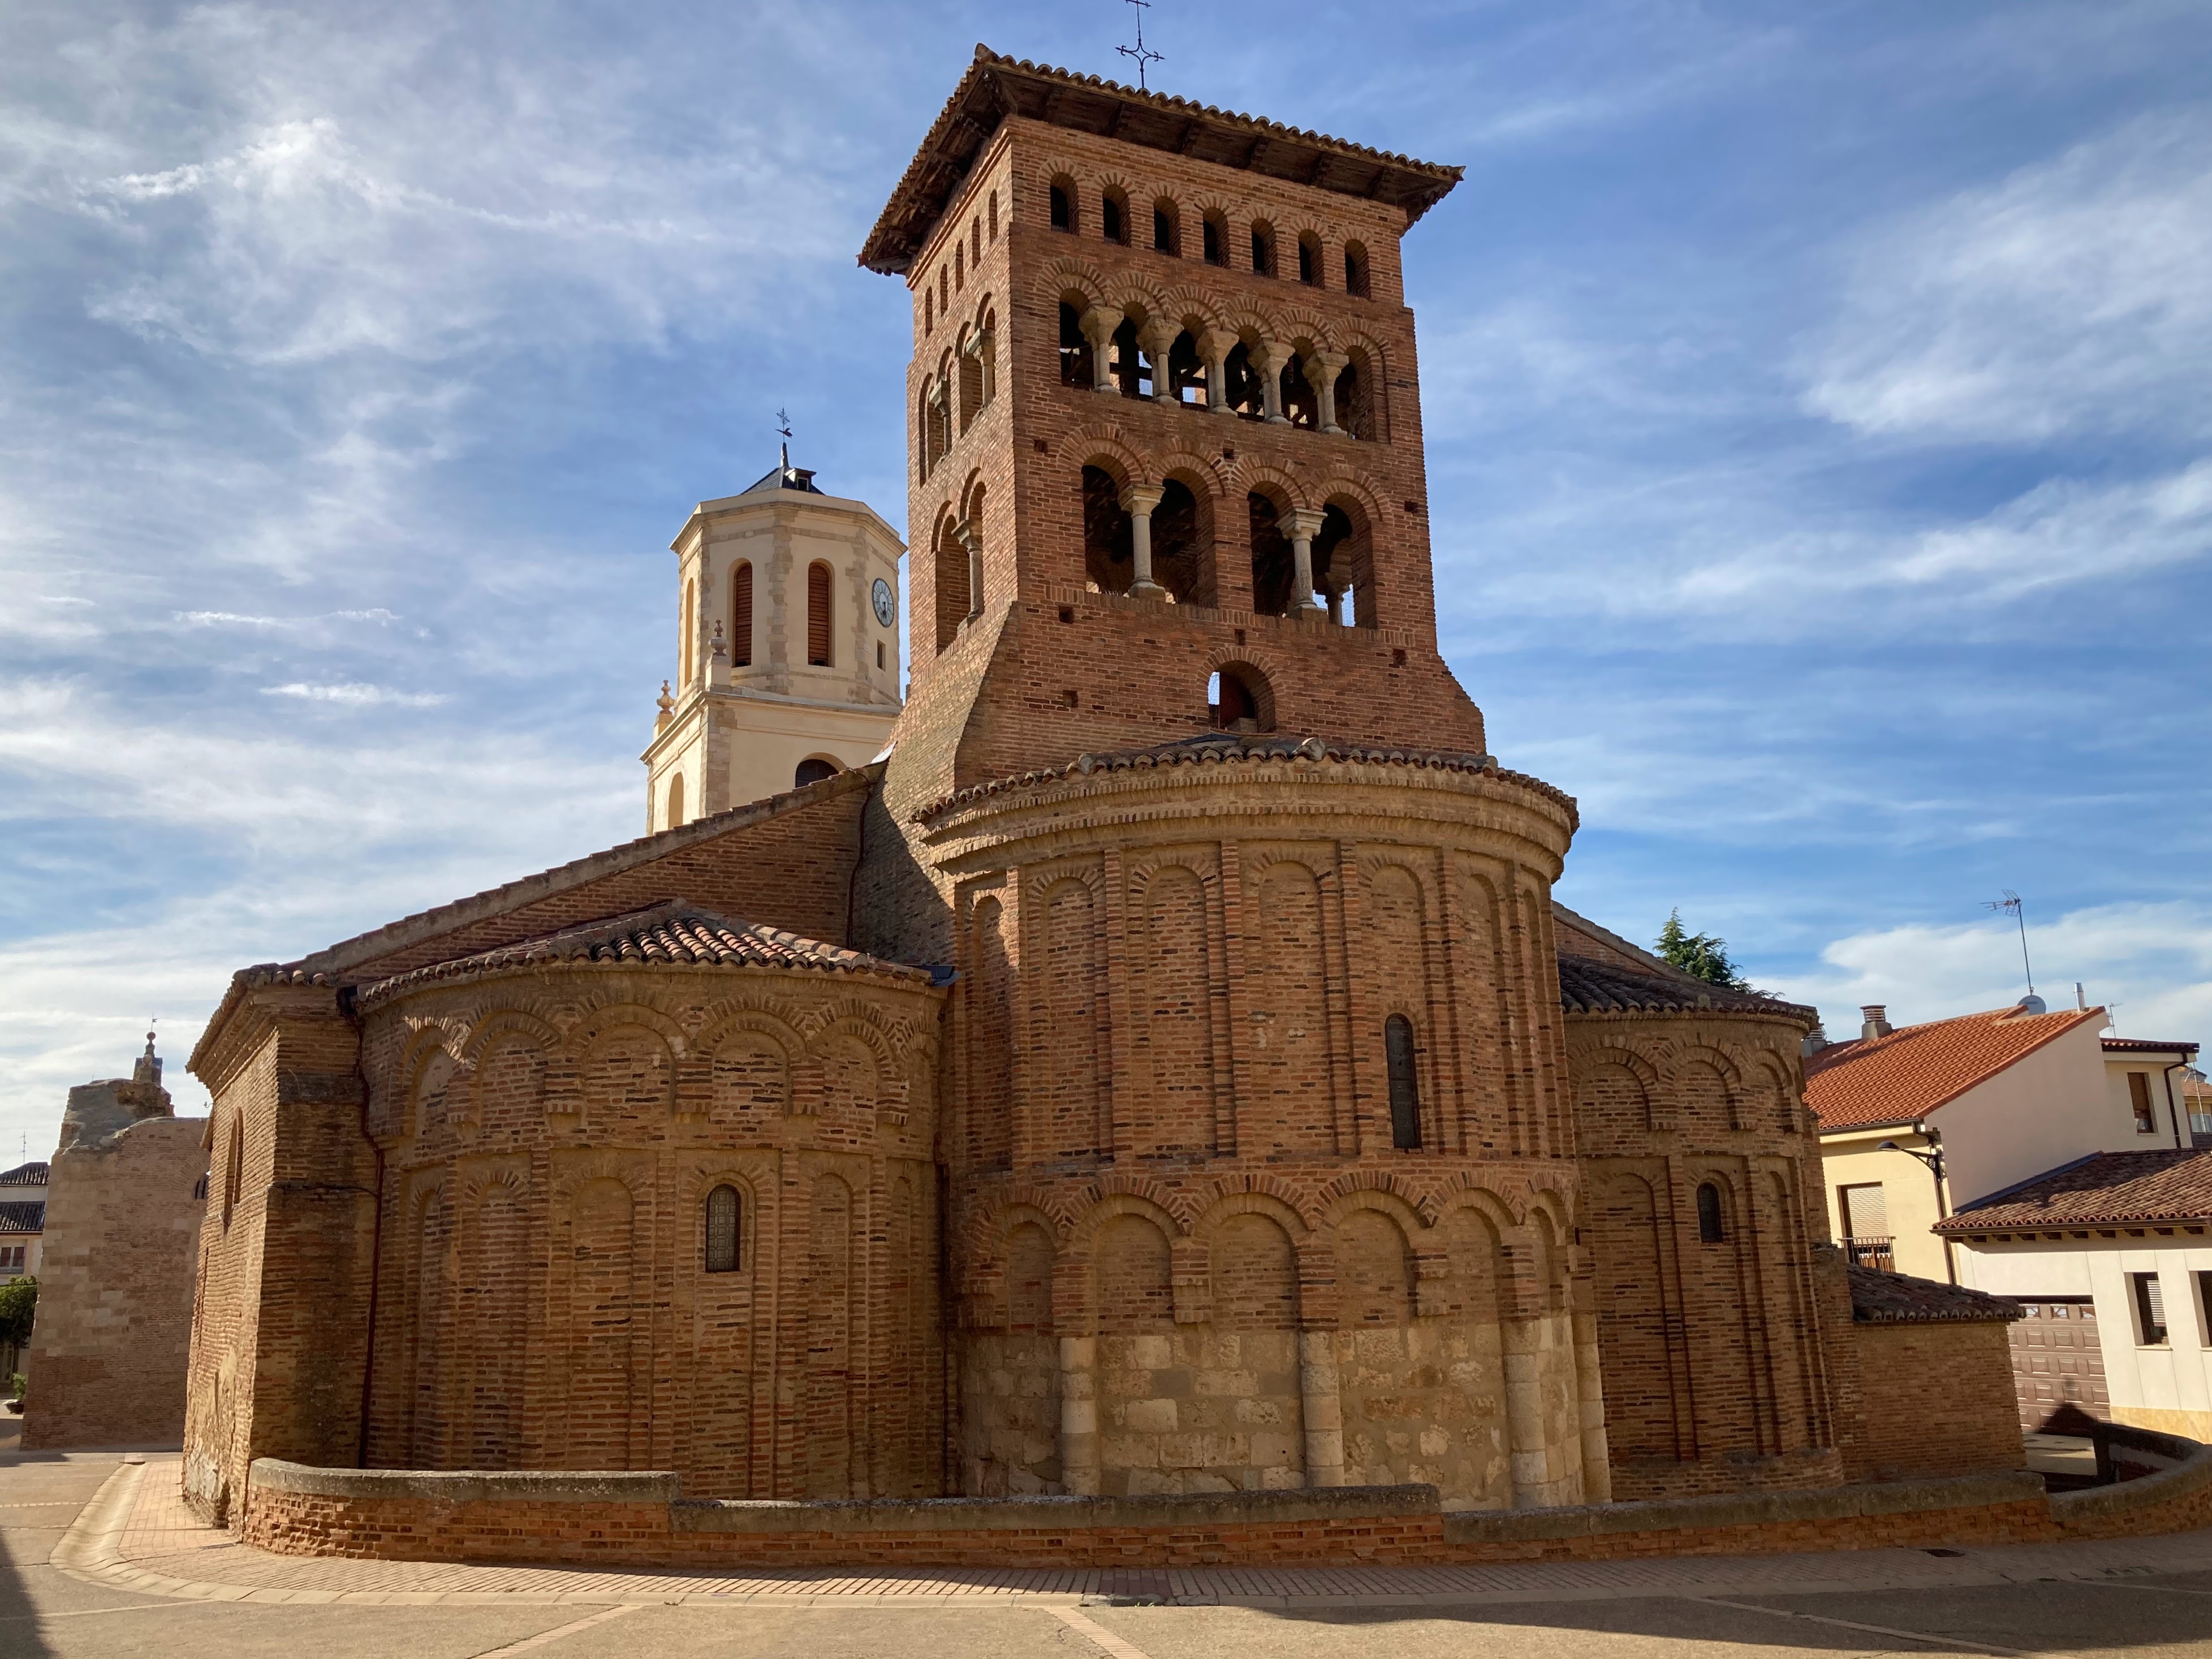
pixel 1876 1016
pixel 1815 1040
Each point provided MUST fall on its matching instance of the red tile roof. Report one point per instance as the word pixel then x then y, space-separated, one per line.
pixel 27 1217
pixel 2102 1189
pixel 1917 1068
pixel 1589 987
pixel 1881 1299
pixel 2145 1045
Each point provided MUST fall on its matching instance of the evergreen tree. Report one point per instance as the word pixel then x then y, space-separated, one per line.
pixel 1701 956
pixel 19 1304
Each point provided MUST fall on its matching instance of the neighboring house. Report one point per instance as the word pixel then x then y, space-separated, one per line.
pixel 2195 1093
pixel 2111 1256
pixel 23 1220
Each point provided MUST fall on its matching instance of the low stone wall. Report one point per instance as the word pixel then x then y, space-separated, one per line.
pixel 2174 1498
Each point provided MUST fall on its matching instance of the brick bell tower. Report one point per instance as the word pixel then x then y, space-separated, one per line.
pixel 1164 455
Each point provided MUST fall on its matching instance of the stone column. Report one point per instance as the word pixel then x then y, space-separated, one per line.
pixel 1525 1413
pixel 1270 358
pixel 1336 602
pixel 1159 340
pixel 1098 325
pixel 965 530
pixel 1589 1378
pixel 1327 364
pixel 1217 345
pixel 1321 1408
pixel 1301 525
pixel 1139 501
pixel 1078 1415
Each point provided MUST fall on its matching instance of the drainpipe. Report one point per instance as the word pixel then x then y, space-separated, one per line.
pixel 2174 1112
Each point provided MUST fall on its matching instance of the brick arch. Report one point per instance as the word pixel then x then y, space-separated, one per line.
pixel 1123 465
pixel 767 1022
pixel 1463 1191
pixel 1071 275
pixel 1188 303
pixel 1037 884
pixel 1342 488
pixel 603 1164
pixel 970 487
pixel 1211 470
pixel 1376 1189
pixel 1769 1071
pixel 1255 478
pixel 501 1022
pixel 600 1021
pixel 475 1182
pixel 1130 1195
pixel 1227 1205
pixel 711 1167
pixel 1297 323
pixel 892 1030
pixel 1139 302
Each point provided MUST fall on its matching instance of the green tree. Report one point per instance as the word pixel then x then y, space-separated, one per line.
pixel 1700 956
pixel 19 1301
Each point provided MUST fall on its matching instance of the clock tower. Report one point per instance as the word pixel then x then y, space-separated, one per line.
pixel 788 647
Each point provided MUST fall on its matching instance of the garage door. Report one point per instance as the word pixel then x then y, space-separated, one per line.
pixel 2057 1367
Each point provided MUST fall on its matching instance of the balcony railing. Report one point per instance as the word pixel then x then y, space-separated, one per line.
pixel 1871 1252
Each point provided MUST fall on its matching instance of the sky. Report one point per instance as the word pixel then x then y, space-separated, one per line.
pixel 1818 402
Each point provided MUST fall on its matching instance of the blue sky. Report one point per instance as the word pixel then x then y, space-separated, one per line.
pixel 1818 400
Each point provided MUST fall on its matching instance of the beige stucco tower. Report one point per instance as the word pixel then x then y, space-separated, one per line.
pixel 788 647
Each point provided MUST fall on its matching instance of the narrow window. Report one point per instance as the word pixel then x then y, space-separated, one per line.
pixel 1163 228
pixel 675 802
pixel 817 615
pixel 691 611
pixel 1355 270
pixel 741 615
pixel 813 770
pixel 1309 260
pixel 929 310
pixel 1216 244
pixel 2139 1097
pixel 1112 218
pixel 1405 1093
pixel 879 655
pixel 1710 1230
pixel 1074 348
pixel 975 241
pixel 994 215
pixel 722 1230
pixel 1263 250
pixel 1063 208
pixel 2150 1308
pixel 943 289
pixel 234 1177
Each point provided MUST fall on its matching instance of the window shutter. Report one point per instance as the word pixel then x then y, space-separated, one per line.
pixel 741 616
pixel 817 616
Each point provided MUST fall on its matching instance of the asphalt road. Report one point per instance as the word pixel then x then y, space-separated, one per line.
pixel 43 1611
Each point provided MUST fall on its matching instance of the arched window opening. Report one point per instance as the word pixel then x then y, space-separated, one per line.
pixel 813 769
pixel 1214 234
pixel 1301 407
pixel 950 560
pixel 234 1174
pixel 689 625
pixel 1263 250
pixel 994 215
pixel 1183 545
pixel 1167 227
pixel 1113 216
pixel 1355 270
pixel 1355 410
pixel 1310 259
pixel 675 802
pixel 929 310
pixel 923 461
pixel 741 615
pixel 1272 564
pixel 943 289
pixel 974 243
pixel 1063 205
pixel 1237 699
pixel 817 615
pixel 1711 1228
pixel 1133 365
pixel 1405 1091
pixel 987 355
pixel 1247 398
pixel 959 266
pixel 971 383
pixel 1108 550
pixel 1186 372
pixel 722 1230
pixel 1075 367
pixel 1344 566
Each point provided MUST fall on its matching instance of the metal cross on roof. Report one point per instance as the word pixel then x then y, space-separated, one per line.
pixel 1141 51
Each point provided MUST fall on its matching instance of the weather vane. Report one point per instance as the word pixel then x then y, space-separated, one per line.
pixel 1141 51
pixel 783 423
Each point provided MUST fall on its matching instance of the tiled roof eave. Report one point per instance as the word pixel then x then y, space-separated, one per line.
pixel 451 974
pixel 1793 1014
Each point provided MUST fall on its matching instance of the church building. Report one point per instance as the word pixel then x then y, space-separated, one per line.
pixel 1156 1065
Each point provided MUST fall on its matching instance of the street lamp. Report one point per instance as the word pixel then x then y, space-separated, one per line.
pixel 1933 1158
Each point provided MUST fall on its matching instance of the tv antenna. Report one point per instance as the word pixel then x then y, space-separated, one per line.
pixel 1144 55
pixel 2012 905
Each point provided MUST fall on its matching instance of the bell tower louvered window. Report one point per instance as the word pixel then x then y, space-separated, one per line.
pixel 741 616
pixel 817 616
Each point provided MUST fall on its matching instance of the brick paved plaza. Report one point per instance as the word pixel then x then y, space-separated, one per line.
pixel 102 1558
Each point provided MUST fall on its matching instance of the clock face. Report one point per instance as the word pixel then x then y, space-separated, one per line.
pixel 886 602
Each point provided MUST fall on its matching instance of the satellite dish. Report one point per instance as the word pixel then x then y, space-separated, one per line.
pixel 2033 1003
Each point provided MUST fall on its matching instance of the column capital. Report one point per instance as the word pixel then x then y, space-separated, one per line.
pixel 1331 364
pixel 1301 524
pixel 1270 355
pixel 1143 498
pixel 1099 324
pixel 1222 341
pixel 964 534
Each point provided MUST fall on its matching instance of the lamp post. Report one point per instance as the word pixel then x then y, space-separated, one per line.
pixel 1933 1158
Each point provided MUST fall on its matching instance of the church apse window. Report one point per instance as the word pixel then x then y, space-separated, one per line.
pixel 1712 1225
pixel 1062 204
pixel 817 615
pixel 1397 1057
pixel 1074 348
pixel 1107 542
pixel 723 1214
pixel 741 615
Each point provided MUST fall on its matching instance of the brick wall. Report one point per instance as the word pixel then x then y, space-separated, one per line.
pixel 1932 1394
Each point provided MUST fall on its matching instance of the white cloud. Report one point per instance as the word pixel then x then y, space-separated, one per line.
pixel 356 694
pixel 2072 298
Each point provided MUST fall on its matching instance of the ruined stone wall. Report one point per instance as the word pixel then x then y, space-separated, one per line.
pixel 1715 1378
pixel 545 1295
pixel 115 1297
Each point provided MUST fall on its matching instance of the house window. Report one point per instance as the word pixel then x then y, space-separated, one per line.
pixel 2150 1310
pixel 817 615
pixel 722 1230
pixel 2139 1098
pixel 1867 1239
pixel 1711 1229
pixel 1405 1091
pixel 2203 1307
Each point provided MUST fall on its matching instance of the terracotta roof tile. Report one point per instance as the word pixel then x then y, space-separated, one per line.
pixel 677 935
pixel 25 1174
pixel 23 1217
pixel 2102 1189
pixel 1881 1299
pixel 1917 1068
pixel 1589 987
pixel 2145 1046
